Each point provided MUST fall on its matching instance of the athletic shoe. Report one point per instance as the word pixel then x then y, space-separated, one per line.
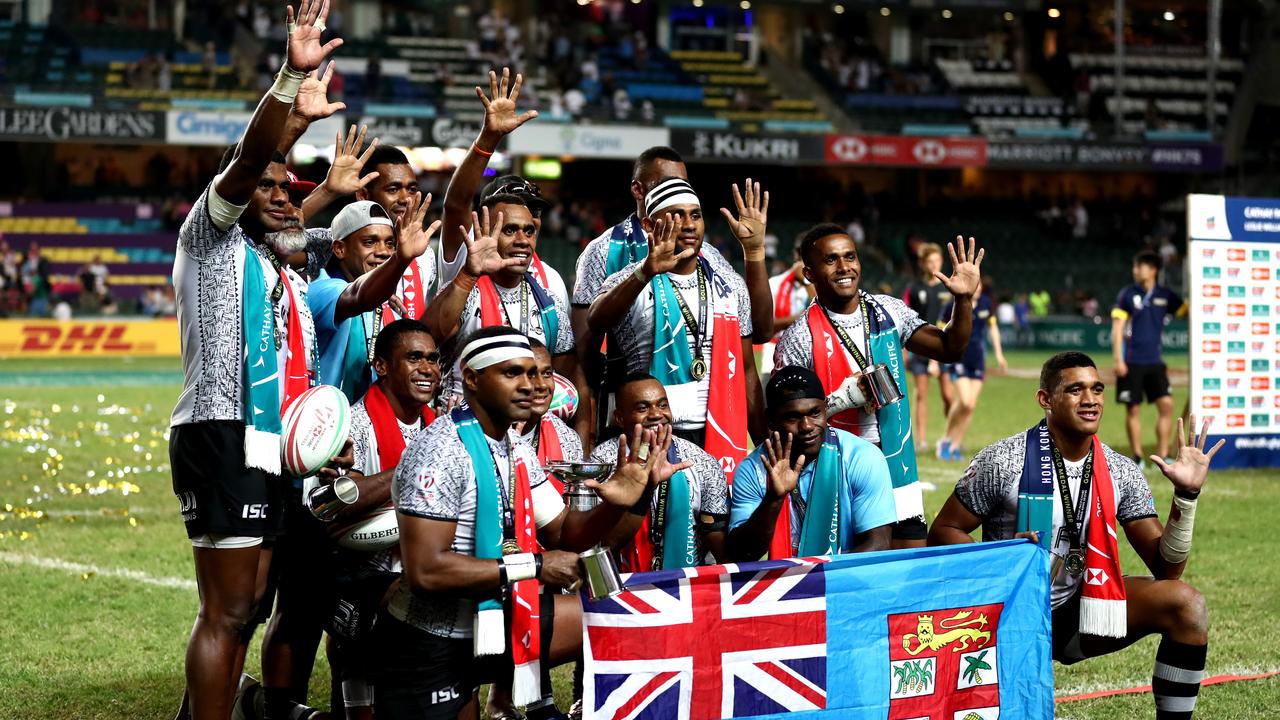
pixel 956 454
pixel 548 711
pixel 575 711
pixel 248 704
pixel 943 449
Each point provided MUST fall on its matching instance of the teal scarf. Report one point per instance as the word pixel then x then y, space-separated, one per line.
pixel 626 245
pixel 1035 486
pixel 820 531
pixel 895 420
pixel 355 378
pixel 671 355
pixel 262 389
pixel 679 546
pixel 488 532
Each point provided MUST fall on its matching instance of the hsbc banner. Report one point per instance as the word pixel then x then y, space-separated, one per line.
pixel 1073 155
pixel 899 150
pixel 1233 257
pixel 740 147
pixel 74 124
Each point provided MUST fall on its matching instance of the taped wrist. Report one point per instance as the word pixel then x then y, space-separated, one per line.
pixel 288 80
pixel 1175 544
pixel 517 567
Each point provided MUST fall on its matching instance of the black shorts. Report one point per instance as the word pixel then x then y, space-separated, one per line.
pixel 418 675
pixel 1149 380
pixel 910 529
pixel 1065 621
pixel 302 564
pixel 218 494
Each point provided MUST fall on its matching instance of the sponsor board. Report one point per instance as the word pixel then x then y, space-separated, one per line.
pixel 588 141
pixel 1085 155
pixel 62 123
pixel 48 338
pixel 897 150
pixel 728 146
pixel 200 127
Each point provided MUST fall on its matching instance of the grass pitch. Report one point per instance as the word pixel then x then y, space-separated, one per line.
pixel 97 592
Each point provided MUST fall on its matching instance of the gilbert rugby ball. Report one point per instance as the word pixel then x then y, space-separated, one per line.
pixel 376 531
pixel 315 428
pixel 564 398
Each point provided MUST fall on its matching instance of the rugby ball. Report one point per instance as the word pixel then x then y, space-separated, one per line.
pixel 315 427
pixel 376 531
pixel 564 398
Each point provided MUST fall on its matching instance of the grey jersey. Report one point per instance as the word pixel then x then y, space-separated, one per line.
pixel 989 489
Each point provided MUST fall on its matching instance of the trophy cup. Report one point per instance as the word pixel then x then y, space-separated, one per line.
pixel 598 567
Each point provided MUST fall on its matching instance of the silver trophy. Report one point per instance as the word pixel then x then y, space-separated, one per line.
pixel 598 567
pixel 326 501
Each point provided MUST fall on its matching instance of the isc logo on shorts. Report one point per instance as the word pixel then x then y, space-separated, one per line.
pixel 255 511
pixel 444 695
pixel 187 500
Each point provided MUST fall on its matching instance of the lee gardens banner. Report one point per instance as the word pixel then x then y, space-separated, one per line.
pixel 1233 254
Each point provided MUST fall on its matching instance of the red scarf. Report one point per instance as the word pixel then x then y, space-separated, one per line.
pixel 727 395
pixel 780 547
pixel 411 292
pixel 297 378
pixel 539 271
pixel 1103 601
pixel 386 428
pixel 526 608
pixel 782 301
pixel 831 363
pixel 549 449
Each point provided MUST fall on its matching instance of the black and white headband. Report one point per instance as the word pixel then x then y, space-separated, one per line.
pixel 669 192
pixel 483 352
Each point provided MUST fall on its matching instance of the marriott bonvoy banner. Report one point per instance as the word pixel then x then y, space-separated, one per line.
pixel 1234 259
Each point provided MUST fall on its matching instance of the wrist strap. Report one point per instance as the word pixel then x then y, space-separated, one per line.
pixel 520 566
pixel 481 151
pixel 288 80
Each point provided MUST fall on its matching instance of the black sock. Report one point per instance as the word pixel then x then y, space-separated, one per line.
pixel 1176 680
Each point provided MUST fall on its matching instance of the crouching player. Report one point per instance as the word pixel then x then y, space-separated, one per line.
pixel 1072 508
pixel 391 413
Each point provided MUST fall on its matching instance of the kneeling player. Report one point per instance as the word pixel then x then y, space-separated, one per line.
pixel 1072 509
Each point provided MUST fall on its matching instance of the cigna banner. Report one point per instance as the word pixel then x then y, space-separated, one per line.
pixel 50 338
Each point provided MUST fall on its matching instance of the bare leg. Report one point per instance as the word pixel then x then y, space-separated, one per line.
pixel 1133 425
pixel 948 391
pixel 227 580
pixel 1164 424
pixel 920 411
pixel 966 400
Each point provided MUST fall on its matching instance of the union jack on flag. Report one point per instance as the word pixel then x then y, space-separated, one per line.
pixel 727 641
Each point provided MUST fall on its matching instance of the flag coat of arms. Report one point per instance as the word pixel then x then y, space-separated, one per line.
pixel 953 633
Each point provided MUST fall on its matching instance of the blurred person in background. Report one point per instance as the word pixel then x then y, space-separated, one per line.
pixel 969 374
pixel 927 296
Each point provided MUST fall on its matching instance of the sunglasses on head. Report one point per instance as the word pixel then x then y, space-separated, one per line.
pixel 518 187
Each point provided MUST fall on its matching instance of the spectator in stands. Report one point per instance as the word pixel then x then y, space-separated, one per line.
pixel 1039 302
pixel 1006 314
pixel 10 276
pixel 574 102
pixel 36 282
pixel 373 78
pixel 1078 219
pixel 168 306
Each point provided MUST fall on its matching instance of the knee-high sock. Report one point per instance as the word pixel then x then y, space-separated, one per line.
pixel 1176 680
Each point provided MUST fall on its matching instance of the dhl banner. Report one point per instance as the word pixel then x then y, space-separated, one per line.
pixel 51 338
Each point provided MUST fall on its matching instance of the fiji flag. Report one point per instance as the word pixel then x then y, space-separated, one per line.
pixel 955 633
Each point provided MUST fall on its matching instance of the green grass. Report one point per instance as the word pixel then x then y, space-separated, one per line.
pixel 77 645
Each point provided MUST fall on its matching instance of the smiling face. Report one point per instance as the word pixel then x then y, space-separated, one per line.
pixel 544 383
pixel 642 402
pixel 833 267
pixel 504 390
pixel 806 420
pixel 1074 405
pixel 395 189
pixel 365 249
pixel 518 237
pixel 412 373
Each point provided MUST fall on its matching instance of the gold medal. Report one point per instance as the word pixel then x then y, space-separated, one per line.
pixel 510 547
pixel 698 369
pixel 1074 563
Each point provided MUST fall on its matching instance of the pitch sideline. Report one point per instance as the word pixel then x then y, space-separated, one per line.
pixel 12 558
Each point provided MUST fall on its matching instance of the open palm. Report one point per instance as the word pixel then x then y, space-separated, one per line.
pixel 500 114
pixel 1188 471
pixel 782 474
pixel 413 239
pixel 305 52
pixel 753 215
pixel 483 257
pixel 966 268
pixel 344 173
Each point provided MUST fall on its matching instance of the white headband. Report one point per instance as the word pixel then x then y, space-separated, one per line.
pixel 480 354
pixel 669 192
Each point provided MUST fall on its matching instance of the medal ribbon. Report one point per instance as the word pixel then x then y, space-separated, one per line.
pixel 863 362
pixel 1073 515
pixel 696 330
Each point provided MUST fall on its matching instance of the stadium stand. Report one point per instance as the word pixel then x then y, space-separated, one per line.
pixel 1164 89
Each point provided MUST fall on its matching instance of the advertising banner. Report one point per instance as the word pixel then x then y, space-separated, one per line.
pixel 1233 254
pixel 1079 155
pixel 738 147
pixel 50 338
pixel 200 127
pixel 69 124
pixel 622 142
pixel 898 150
pixel 1081 334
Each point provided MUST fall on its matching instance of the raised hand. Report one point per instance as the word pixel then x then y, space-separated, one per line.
pixel 781 474
pixel 312 102
pixel 753 214
pixel 344 174
pixel 662 469
pixel 482 252
pixel 500 116
pixel 633 470
pixel 411 238
pixel 663 257
pixel 304 51
pixel 965 269
pixel 1188 470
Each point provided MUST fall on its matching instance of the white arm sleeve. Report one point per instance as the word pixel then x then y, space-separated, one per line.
pixel 547 504
pixel 222 213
